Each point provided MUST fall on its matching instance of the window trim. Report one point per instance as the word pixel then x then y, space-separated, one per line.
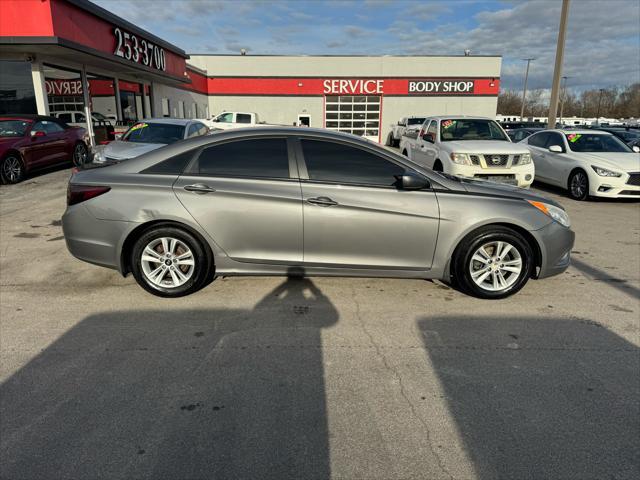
pixel 304 174
pixel 191 169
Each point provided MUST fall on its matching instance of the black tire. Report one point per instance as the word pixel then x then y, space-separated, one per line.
pixel 462 258
pixel 12 169
pixel 578 185
pixel 395 143
pixel 404 152
pixel 79 156
pixel 437 166
pixel 202 269
pixel 390 140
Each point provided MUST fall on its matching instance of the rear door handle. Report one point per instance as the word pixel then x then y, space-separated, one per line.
pixel 322 201
pixel 199 188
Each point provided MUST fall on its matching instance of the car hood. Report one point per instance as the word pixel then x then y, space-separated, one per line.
pixel 484 187
pixel 629 162
pixel 485 146
pixel 119 150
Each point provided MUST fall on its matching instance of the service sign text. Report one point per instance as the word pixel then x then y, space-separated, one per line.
pixel 353 87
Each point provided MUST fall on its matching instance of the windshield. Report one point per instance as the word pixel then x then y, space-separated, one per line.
pixel 13 128
pixel 145 132
pixel 595 142
pixel 470 129
pixel 99 116
pixel 415 121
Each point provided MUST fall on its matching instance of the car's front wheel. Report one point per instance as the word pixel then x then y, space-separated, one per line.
pixel 493 262
pixel 579 185
pixel 169 262
pixel 12 169
pixel 80 154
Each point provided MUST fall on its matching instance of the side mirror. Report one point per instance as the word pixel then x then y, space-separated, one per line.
pixel 399 124
pixel 636 148
pixel 411 181
pixel 38 133
pixel 556 149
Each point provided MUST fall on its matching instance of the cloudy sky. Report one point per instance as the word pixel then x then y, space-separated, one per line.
pixel 603 37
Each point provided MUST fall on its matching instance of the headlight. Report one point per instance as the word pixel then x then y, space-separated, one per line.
pixel 461 159
pixel 525 158
pixel 98 155
pixel 603 172
pixel 558 214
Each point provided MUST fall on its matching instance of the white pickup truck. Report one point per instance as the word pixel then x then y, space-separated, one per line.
pixel 228 120
pixel 405 125
pixel 474 147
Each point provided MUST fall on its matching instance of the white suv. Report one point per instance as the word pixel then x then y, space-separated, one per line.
pixel 473 147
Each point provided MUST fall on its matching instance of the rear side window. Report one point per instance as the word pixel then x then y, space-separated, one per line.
pixel 171 166
pixel 539 139
pixel 334 162
pixel 263 157
pixel 243 118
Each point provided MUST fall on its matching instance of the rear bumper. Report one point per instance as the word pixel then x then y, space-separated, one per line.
pixel 555 243
pixel 93 240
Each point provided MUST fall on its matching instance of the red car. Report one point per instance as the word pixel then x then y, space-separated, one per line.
pixel 30 142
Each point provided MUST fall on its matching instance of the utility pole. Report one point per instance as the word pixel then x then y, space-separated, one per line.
pixel 524 90
pixel 564 98
pixel 557 70
pixel 599 102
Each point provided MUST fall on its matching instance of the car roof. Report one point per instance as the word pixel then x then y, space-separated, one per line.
pixel 170 121
pixel 583 131
pixel 32 117
pixel 460 117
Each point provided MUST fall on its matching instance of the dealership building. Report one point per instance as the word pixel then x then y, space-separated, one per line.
pixel 71 58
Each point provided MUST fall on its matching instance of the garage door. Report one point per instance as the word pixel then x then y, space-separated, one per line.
pixel 359 115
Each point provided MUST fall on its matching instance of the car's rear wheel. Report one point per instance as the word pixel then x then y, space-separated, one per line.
pixel 169 262
pixel 80 154
pixel 493 262
pixel 437 166
pixel 12 169
pixel 578 185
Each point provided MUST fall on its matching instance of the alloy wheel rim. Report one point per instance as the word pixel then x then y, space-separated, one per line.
pixel 80 154
pixel 495 266
pixel 578 184
pixel 167 262
pixel 11 169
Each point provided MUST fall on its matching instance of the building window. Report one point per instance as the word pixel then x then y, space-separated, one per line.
pixel 359 115
pixel 64 90
pixel 180 109
pixel 16 88
pixel 194 110
pixel 165 107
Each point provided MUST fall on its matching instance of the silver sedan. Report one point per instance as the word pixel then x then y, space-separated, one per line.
pixel 285 201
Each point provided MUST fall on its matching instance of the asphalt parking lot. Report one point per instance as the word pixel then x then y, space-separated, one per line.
pixel 315 378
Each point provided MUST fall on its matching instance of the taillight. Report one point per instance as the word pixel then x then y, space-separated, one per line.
pixel 80 193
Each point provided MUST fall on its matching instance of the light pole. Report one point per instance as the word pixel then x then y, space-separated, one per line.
pixel 557 69
pixel 564 98
pixel 524 90
pixel 599 101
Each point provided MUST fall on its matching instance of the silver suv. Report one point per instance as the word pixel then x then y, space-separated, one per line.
pixel 285 201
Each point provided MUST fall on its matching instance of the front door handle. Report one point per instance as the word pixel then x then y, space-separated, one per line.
pixel 322 201
pixel 200 188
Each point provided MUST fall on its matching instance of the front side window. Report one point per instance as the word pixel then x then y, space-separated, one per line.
pixel 555 139
pixel 262 158
pixel 337 163
pixel 225 117
pixel 193 130
pixel 433 129
pixel 595 142
pixel 146 132
pixel 13 128
pixel 452 130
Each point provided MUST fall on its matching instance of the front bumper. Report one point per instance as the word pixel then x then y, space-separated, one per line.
pixel 520 176
pixel 612 187
pixel 555 243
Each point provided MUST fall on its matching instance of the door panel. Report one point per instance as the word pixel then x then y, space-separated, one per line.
pixel 369 227
pixel 251 220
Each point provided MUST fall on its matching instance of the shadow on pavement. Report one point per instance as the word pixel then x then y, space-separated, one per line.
pixel 176 395
pixel 539 398
pixel 602 276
